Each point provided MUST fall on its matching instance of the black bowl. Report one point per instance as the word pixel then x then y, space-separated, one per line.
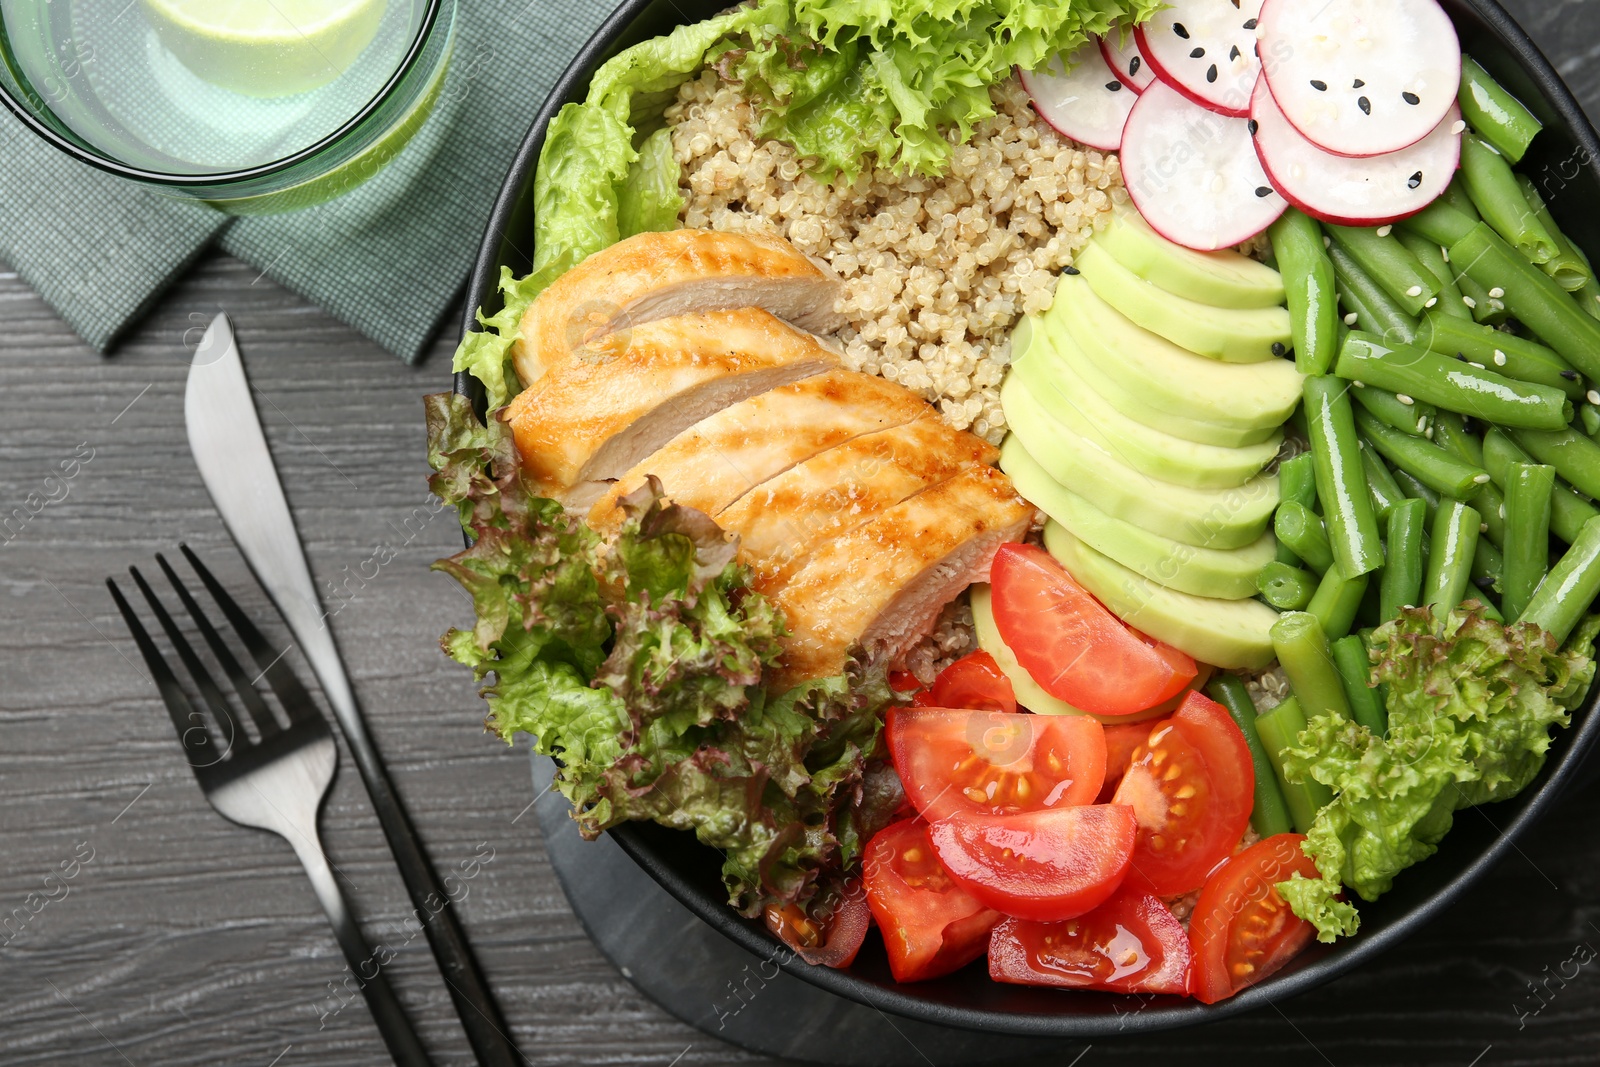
pixel 1565 162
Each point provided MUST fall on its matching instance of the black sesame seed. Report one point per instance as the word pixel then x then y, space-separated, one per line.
pixel 1570 375
pixel 1485 583
pixel 1113 86
pixel 1179 29
pixel 1359 84
pixel 1365 105
pixel 1253 126
pixel 1278 349
pixel 1264 191
pixel 1251 24
pixel 1133 67
pixel 1197 53
pixel 1469 424
pixel 1411 98
pixel 1319 86
pixel 1074 271
pixel 1211 73
pixel 1414 181
pixel 1234 54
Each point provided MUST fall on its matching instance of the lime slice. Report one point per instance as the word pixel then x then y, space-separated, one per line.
pixel 266 47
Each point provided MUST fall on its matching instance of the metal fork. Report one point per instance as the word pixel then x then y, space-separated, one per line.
pixel 277 783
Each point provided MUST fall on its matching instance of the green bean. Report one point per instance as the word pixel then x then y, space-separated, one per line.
pixel 1286 588
pixel 1270 815
pixel 1574 456
pixel 1458 197
pixel 1498 116
pixel 1280 731
pixel 1384 259
pixel 1374 310
pixel 1533 297
pixel 1355 671
pixel 1486 310
pixel 1427 462
pixel 1499 200
pixel 1487 567
pixel 1527 547
pixel 1569 267
pixel 1297 480
pixel 1503 353
pixel 1589 417
pixel 1414 489
pixel 1341 482
pixel 1415 418
pixel 1337 601
pixel 1431 256
pixel 1451 434
pixel 1442 222
pixel 1307 660
pixel 1303 531
pixel 1567 592
pixel 1380 484
pixel 1309 284
pixel 1452 385
pixel 1568 510
pixel 1455 539
pixel 1401 584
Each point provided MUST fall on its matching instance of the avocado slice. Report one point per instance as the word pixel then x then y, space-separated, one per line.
pixel 1236 634
pixel 1053 382
pixel 1207 572
pixel 1224 279
pixel 1029 694
pixel 1205 518
pixel 1231 336
pixel 1168 382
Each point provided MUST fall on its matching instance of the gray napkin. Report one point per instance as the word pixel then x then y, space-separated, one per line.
pixel 388 258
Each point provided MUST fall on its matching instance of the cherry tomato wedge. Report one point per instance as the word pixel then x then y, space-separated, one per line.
pixel 1129 944
pixel 829 934
pixel 903 682
pixel 1072 646
pixel 975 682
pixel 1048 865
pixel 1121 740
pixel 930 925
pixel 994 763
pixel 1241 927
pixel 1191 786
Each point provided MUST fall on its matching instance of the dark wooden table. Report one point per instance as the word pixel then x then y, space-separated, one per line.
pixel 181 939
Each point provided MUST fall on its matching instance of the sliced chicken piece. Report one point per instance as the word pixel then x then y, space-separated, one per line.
pixel 656 275
pixel 593 421
pixel 884 584
pixel 718 460
pixel 782 521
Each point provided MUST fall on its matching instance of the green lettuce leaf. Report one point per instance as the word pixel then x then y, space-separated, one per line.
pixel 1471 702
pixel 650 199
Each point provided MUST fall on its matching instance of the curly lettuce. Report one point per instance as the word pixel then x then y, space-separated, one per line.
pixel 1471 702
pixel 636 661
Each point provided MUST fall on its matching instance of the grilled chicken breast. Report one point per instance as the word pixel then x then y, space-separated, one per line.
pixel 656 275
pixel 719 459
pixel 884 583
pixel 591 421
pixel 783 520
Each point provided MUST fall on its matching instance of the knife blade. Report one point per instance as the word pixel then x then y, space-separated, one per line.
pixel 236 466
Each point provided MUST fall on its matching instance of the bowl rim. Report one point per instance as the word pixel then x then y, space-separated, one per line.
pixel 211 179
pixel 1155 1013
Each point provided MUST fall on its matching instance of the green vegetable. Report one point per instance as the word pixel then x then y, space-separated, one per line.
pixel 1375 311
pixel 1304 653
pixel 1569 267
pixel 1309 289
pixel 1427 462
pixel 1415 418
pixel 1380 484
pixel 1568 510
pixel 1504 353
pixel 1470 703
pixel 1355 672
pixel 1401 583
pixel 1341 482
pixel 1297 480
pixel 1450 555
pixel 1442 222
pixel 1527 546
pixel 1278 730
pixel 1286 587
pixel 649 199
pixel 1494 190
pixel 1564 597
pixel 1338 600
pixel 1431 255
pixel 1302 530
pixel 1497 116
pixel 1270 815
pixel 1389 263
pixel 637 662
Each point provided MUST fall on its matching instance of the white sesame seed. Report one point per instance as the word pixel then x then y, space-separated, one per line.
pixel 1406 400
pixel 1471 303
pixel 1499 358
pixel 1459 127
pixel 1350 319
pixel 1482 479
pixel 1445 252
pixel 1502 511
pixel 1497 292
pixel 1593 397
pixel 1359 385
pixel 1422 424
pixel 1415 290
pixel 1498 305
pixel 1480 366
pixel 1431 302
pixel 1429 434
pixel 1384 231
pixel 1327 242
pixel 1483 527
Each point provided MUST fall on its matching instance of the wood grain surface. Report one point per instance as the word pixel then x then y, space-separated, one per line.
pixel 138 927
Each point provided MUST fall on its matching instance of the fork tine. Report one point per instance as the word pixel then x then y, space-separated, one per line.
pixel 186 715
pixel 214 700
pixel 265 721
pixel 291 694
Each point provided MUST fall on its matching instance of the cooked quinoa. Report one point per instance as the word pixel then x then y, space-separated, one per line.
pixel 937 271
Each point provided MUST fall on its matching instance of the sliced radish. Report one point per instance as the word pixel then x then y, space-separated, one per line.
pixel 1121 52
pixel 1193 174
pixel 1205 49
pixel 1354 192
pixel 1361 77
pixel 1082 98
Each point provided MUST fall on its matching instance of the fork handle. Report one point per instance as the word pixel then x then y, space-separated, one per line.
pixel 393 1024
